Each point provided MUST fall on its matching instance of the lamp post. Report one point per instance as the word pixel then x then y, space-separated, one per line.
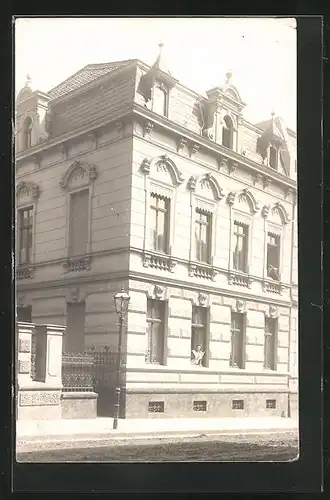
pixel 121 300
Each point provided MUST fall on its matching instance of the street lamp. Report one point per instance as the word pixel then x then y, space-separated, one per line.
pixel 121 300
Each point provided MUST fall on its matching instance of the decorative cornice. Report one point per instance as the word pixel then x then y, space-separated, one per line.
pixel 74 264
pixel 239 279
pixel 147 128
pixel 231 198
pixel 200 270
pixel 194 147
pixel 182 143
pixel 232 166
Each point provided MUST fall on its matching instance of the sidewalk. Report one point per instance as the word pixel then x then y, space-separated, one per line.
pixel 75 430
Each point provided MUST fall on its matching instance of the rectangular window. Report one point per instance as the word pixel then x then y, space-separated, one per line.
pixel 273 256
pixel 156 407
pixel 159 223
pixel 24 314
pixel 199 405
pixel 273 158
pixel 240 247
pixel 270 343
pixel 198 335
pixel 271 404
pixel 155 331
pixel 78 228
pixel 25 237
pixel 237 340
pixel 74 338
pixel 160 101
pixel 203 233
pixel 238 404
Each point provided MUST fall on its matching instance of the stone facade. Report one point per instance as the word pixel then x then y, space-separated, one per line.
pixel 105 137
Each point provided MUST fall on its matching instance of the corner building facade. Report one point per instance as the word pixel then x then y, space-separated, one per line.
pixel 126 177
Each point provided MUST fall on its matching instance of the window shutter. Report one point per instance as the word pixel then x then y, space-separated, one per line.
pixel 79 222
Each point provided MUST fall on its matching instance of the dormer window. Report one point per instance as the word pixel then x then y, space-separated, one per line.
pixel 227 132
pixel 27 133
pixel 160 100
pixel 273 157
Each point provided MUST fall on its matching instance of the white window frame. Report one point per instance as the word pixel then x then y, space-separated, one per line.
pixel 271 227
pixel 247 220
pixel 205 205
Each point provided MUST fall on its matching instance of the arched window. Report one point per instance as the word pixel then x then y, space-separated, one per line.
pixel 160 100
pixel 227 133
pixel 27 133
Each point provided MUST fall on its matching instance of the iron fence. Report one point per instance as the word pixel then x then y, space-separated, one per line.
pixel 77 372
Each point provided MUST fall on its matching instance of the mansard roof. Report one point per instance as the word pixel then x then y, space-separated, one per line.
pixel 85 75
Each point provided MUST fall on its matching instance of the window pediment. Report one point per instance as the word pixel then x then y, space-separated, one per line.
pixel 27 192
pixel 246 200
pixel 164 169
pixel 78 175
pixel 208 187
pixel 279 214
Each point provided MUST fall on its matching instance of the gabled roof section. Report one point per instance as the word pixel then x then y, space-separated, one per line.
pixel 273 126
pixel 85 75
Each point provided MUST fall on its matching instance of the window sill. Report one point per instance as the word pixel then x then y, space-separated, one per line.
pixel 271 286
pixel 24 271
pixel 239 278
pixel 202 270
pixel 79 263
pixel 158 260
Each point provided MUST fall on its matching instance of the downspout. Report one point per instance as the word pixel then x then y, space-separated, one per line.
pixel 294 202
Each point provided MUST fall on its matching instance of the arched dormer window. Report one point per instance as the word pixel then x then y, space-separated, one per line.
pixel 273 157
pixel 27 133
pixel 160 100
pixel 227 132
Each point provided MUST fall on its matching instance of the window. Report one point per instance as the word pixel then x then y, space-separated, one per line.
pixel 78 228
pixel 273 157
pixel 198 335
pixel 199 405
pixel 237 404
pixel 74 338
pixel 159 223
pixel 24 314
pixel 240 252
pixel 203 228
pixel 273 256
pixel 227 133
pixel 155 331
pixel 156 407
pixel 237 340
pixel 25 228
pixel 270 343
pixel 271 404
pixel 160 101
pixel 27 133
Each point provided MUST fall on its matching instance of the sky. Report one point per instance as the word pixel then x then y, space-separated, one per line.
pixel 260 53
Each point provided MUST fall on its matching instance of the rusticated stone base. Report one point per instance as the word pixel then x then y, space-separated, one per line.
pixel 199 405
pixel 79 405
pixel 39 404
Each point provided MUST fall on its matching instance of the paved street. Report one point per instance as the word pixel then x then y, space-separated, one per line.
pixel 274 447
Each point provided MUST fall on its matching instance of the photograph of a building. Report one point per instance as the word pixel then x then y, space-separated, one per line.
pixel 128 180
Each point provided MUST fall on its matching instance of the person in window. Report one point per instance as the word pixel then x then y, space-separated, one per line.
pixel 273 272
pixel 197 355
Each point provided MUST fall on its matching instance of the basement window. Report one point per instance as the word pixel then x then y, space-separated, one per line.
pixel 271 404
pixel 156 407
pixel 200 406
pixel 238 404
